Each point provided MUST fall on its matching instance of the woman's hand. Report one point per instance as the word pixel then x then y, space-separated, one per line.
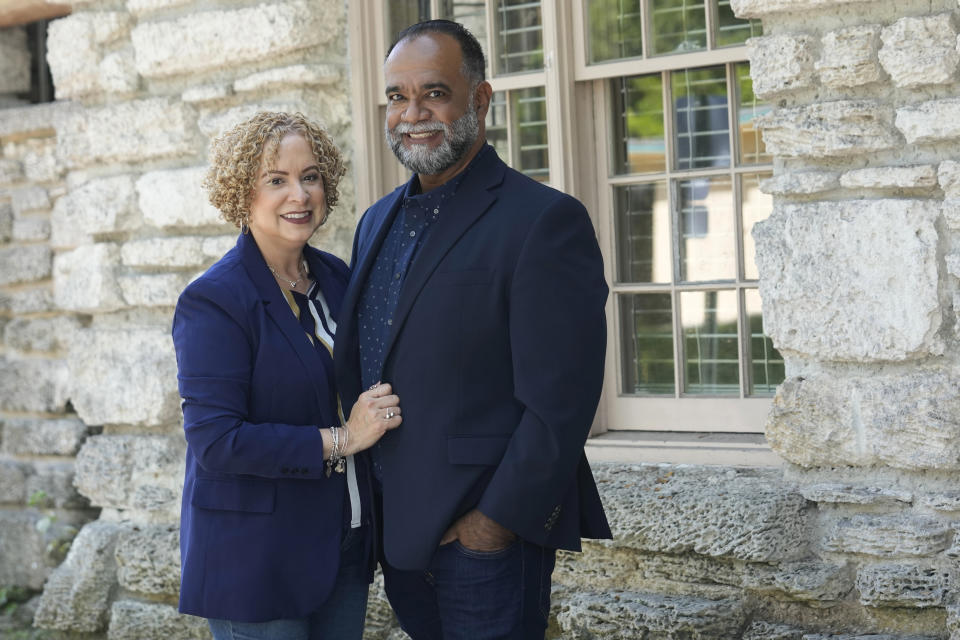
pixel 375 412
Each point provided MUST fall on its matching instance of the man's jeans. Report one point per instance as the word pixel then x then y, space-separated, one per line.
pixel 475 595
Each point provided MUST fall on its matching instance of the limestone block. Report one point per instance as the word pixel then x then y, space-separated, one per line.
pixel 816 583
pixel 826 295
pixel 216 39
pixel 952 261
pixel 781 63
pixel 143 7
pixel 762 8
pixel 849 494
pixel 11 171
pixel 24 264
pixel 117 72
pixel 132 620
pixel 32 544
pixel 77 60
pixel 40 334
pixel 32 384
pixel 13 482
pixel 206 93
pixel 945 502
pixel 829 129
pixel 6 222
pixel 84 279
pixel 888 536
pixel 800 183
pixel 77 595
pixel 33 120
pixel 32 229
pixel 14 61
pixel 213 123
pixel 29 199
pixel 948 176
pixel 920 50
pixel 148 560
pixel 917 177
pixel 931 121
pixel 293 76
pixel 761 630
pixel 111 469
pixel 34 300
pixel 904 585
pixel 52 487
pixel 702 510
pixel 103 205
pixel 132 132
pixel 176 199
pixel 953 621
pixel 620 614
pixel 156 498
pixel 951 212
pixel 186 251
pixel 849 57
pixel 124 376
pixel 153 290
pixel 217 246
pixel 906 421
pixel 40 161
pixel 43 437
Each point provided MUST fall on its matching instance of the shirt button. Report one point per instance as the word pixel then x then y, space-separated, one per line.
pixel 390 322
pixel 413 233
pixel 396 277
pixel 436 210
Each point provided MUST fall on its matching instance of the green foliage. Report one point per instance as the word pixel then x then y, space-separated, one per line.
pixel 38 498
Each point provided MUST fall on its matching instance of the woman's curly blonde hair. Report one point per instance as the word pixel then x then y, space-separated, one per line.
pixel 236 158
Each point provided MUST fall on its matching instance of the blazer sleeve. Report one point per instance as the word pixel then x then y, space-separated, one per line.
pixel 558 340
pixel 213 338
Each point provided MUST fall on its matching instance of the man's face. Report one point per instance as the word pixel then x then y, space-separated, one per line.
pixel 432 119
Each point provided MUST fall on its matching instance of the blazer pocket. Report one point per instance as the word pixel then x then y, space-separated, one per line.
pixel 235 494
pixel 463 277
pixel 484 450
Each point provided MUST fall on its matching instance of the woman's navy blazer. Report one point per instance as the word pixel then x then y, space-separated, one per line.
pixel 261 523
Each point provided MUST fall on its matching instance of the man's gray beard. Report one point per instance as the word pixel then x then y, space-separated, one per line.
pixel 458 137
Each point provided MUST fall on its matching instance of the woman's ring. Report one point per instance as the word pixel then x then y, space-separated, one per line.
pixel 390 413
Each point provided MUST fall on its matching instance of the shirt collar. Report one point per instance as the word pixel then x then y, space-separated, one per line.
pixel 445 190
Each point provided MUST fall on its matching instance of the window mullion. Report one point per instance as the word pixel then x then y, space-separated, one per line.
pixel 711 17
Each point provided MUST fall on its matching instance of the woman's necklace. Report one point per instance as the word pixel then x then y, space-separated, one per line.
pixel 293 283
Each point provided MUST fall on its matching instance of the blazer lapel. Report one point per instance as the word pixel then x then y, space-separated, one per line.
pixel 280 312
pixel 474 196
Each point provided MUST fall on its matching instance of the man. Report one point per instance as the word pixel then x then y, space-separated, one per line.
pixel 479 295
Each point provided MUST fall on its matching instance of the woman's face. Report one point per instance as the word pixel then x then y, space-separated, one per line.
pixel 288 200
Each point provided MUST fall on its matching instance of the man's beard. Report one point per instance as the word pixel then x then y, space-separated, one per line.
pixel 458 137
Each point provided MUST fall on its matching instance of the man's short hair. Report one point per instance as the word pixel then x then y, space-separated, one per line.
pixel 474 65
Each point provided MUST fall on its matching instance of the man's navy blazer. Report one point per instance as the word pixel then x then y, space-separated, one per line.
pixel 497 354
pixel 261 523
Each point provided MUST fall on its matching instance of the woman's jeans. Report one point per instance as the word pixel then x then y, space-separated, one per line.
pixel 341 616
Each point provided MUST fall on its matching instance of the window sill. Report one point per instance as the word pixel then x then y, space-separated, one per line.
pixel 727 449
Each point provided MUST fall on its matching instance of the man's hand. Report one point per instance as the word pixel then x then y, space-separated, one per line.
pixel 477 532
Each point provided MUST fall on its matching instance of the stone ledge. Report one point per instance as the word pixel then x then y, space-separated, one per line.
pixel 148 560
pixel 829 129
pixel 920 50
pixel 132 620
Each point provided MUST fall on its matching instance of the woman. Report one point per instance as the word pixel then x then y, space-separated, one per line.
pixel 275 537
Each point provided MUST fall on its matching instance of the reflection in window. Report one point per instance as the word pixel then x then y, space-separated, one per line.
pixel 731 30
pixel 470 13
pixel 517 129
pixel 756 206
pixel 646 336
pixel 679 26
pixel 519 36
pixel 707 223
pixel 643 233
pixel 711 354
pixel 616 29
pixel 766 363
pixel 401 15
pixel 701 129
pixel 752 149
pixel 638 142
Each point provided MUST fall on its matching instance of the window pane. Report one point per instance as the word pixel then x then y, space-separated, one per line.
pixel 615 29
pixel 638 142
pixel 701 130
pixel 529 107
pixel 643 233
pixel 403 13
pixel 766 363
pixel 731 30
pixel 470 13
pixel 756 207
pixel 709 320
pixel 519 37
pixel 679 26
pixel 752 149
pixel 646 338
pixel 497 134
pixel 707 237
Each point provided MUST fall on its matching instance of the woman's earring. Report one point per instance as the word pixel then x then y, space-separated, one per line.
pixel 244 227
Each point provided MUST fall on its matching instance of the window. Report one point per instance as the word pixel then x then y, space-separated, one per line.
pixel 654 104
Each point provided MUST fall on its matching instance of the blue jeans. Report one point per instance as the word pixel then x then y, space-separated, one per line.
pixel 340 617
pixel 474 595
